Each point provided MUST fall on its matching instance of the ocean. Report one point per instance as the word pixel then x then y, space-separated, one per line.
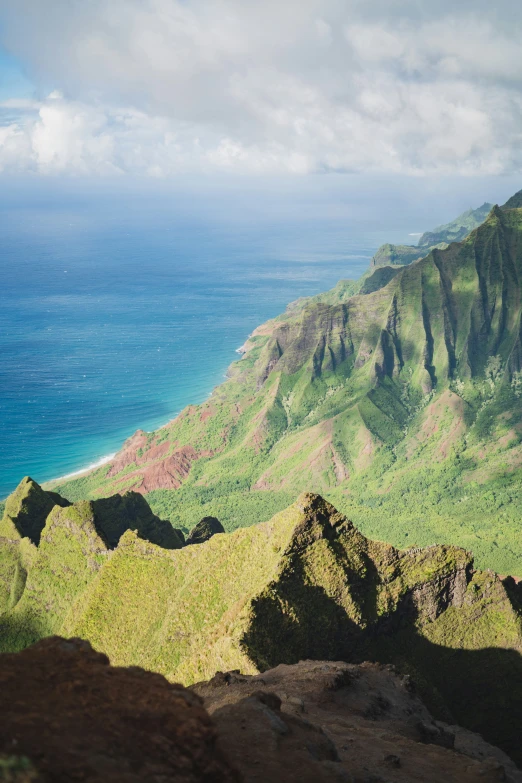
pixel 116 313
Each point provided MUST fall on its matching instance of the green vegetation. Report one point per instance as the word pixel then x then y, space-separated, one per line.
pixel 401 255
pixel 306 584
pixel 27 509
pixel 402 406
pixel 459 228
pixel 397 255
pixel 398 398
pixel 39 584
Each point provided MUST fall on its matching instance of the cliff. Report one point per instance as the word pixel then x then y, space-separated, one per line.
pixel 314 721
pixel 401 405
pixel 457 229
pixel 306 584
pixel 439 238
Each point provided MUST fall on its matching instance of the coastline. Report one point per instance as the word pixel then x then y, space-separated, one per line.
pixel 109 457
pixel 92 466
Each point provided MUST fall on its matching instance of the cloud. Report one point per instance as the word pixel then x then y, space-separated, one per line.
pixel 162 87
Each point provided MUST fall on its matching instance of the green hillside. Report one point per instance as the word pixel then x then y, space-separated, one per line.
pixel 304 585
pixel 401 406
pixel 455 231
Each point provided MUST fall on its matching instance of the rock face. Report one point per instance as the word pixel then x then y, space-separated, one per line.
pixel 306 584
pixel 320 721
pixel 75 718
pixel 67 715
pixel 204 530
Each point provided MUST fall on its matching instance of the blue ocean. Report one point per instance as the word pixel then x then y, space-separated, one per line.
pixel 117 312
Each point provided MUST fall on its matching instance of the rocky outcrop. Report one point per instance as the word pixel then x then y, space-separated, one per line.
pixel 69 716
pixel 27 509
pixel 323 721
pixel 306 584
pixel 204 530
pixel 130 511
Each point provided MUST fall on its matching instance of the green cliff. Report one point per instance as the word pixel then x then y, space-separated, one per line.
pixel 455 231
pixel 40 579
pixel 306 584
pixel 402 406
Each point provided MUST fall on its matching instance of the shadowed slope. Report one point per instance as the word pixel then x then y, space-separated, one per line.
pixel 26 510
pixel 77 718
pixel 307 584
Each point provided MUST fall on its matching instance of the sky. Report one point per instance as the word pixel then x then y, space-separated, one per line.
pixel 164 89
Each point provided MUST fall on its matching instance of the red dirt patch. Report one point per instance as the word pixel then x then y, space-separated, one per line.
pixel 168 473
pixel 129 452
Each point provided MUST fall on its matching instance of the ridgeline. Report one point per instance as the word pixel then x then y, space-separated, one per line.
pixel 401 404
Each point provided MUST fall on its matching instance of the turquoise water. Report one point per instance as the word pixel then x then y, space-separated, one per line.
pixel 115 316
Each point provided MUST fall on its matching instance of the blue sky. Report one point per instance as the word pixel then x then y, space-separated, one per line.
pixel 13 82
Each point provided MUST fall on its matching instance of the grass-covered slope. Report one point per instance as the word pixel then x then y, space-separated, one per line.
pixel 390 256
pixel 70 552
pixel 27 509
pixel 402 406
pixel 39 581
pixel 306 584
pixel 457 229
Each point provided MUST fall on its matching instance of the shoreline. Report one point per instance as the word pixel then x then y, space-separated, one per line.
pixel 92 466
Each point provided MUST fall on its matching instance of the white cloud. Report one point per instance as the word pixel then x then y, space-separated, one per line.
pixel 265 87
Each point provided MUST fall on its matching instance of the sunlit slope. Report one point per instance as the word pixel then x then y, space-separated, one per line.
pixel 305 585
pixel 402 405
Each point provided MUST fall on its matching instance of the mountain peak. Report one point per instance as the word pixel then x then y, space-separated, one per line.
pixel 305 585
pixel 515 202
pixel 27 509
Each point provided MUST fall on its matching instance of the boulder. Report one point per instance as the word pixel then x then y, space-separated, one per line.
pixel 319 721
pixel 67 715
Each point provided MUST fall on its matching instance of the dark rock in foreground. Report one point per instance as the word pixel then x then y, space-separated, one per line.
pixel 67 715
pixel 319 721
pixel 204 530
pixel 71 717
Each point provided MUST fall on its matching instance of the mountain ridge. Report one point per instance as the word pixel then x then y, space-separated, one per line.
pixel 305 585
pixel 402 404
pixel 361 397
